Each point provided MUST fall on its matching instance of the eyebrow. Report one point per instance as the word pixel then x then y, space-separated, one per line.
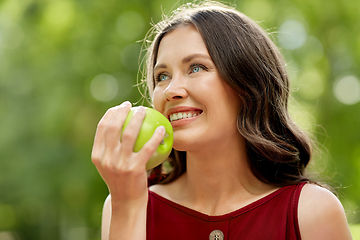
pixel 185 60
pixel 196 55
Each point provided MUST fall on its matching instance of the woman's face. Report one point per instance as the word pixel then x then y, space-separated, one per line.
pixel 189 91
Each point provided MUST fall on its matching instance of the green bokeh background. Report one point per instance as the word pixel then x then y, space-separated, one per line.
pixel 64 62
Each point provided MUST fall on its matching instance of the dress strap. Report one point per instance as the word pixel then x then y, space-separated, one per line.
pixel 295 207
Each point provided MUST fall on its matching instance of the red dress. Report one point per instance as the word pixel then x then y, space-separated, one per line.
pixel 273 217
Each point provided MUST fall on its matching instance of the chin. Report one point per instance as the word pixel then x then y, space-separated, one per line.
pixel 179 147
pixel 186 146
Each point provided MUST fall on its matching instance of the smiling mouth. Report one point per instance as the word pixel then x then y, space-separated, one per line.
pixel 183 115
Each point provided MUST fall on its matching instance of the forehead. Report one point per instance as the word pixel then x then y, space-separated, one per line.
pixel 181 41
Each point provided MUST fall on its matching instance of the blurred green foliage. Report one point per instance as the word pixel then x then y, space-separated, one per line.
pixel 64 62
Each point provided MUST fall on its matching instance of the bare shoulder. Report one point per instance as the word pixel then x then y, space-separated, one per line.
pixel 321 215
pixel 171 191
pixel 162 190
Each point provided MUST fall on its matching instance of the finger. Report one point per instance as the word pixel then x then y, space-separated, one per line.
pixel 115 124
pixel 99 140
pixel 150 147
pixel 99 143
pixel 132 130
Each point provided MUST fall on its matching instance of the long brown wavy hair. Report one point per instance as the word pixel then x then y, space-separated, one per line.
pixel 278 150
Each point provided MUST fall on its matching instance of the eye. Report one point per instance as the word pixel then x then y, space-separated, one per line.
pixel 162 77
pixel 197 68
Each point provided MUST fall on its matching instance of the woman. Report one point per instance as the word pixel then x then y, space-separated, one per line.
pixel 238 159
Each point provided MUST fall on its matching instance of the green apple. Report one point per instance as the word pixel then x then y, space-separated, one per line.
pixel 153 119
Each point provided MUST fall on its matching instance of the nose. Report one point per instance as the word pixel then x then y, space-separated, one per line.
pixel 176 89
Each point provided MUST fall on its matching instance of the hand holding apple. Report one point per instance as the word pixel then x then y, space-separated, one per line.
pixel 153 119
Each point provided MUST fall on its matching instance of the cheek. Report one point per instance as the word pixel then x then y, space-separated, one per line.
pixel 158 100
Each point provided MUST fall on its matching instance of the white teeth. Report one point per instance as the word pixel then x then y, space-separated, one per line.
pixel 177 116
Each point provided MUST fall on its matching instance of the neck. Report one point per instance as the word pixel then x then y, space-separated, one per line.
pixel 218 177
pixel 223 171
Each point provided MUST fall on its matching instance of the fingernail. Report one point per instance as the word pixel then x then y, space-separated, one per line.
pixel 160 129
pixel 140 109
pixel 126 103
